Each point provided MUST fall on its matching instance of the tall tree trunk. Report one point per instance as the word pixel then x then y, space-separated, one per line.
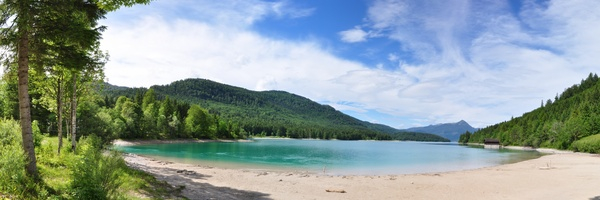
pixel 74 114
pixel 59 113
pixel 23 87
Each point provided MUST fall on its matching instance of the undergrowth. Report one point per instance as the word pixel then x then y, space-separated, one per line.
pixel 590 144
pixel 91 172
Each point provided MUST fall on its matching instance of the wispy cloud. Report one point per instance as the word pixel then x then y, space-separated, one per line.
pixel 471 60
pixel 481 62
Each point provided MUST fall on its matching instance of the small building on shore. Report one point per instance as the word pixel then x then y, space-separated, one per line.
pixel 491 143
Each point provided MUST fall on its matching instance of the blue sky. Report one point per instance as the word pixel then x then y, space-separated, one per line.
pixel 403 63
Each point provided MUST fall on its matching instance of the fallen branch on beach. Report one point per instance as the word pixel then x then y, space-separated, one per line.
pixel 336 191
pixel 547 167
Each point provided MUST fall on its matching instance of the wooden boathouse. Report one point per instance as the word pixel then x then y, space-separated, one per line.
pixel 490 143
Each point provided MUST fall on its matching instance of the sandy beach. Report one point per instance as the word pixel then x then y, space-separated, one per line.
pixel 556 176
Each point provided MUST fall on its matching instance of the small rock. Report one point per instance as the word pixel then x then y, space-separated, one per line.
pixel 262 174
pixel 189 172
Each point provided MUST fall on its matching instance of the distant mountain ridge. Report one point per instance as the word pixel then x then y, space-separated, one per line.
pixel 451 131
pixel 272 113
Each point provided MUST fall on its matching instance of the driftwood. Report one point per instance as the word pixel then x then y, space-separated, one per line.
pixel 336 191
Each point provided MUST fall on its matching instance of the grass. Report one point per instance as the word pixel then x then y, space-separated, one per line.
pixel 59 172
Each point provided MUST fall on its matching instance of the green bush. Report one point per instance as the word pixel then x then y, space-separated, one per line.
pixel 38 137
pixel 14 182
pixel 590 144
pixel 96 176
pixel 10 132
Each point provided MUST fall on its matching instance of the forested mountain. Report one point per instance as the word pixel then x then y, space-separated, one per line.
pixel 563 123
pixel 451 131
pixel 269 113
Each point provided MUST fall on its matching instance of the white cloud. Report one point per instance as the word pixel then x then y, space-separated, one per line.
pixel 484 71
pixel 353 35
pixel 479 62
pixel 183 49
pixel 388 13
pixel 393 57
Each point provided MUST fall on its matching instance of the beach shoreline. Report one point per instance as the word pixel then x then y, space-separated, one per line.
pixel 559 175
pixel 121 142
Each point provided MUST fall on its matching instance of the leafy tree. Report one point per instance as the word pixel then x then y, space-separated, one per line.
pixel 131 114
pixel 165 116
pixel 150 109
pixel 198 123
pixel 464 138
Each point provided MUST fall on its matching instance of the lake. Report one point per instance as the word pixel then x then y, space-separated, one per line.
pixel 334 156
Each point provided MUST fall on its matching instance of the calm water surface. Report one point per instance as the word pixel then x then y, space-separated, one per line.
pixel 336 157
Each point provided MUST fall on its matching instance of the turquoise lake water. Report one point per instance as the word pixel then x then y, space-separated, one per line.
pixel 334 156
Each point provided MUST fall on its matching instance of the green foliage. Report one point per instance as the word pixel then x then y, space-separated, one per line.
pixel 94 120
pixel 9 104
pixel 37 134
pixel 10 132
pixel 13 179
pixel 198 123
pixel 233 112
pixel 572 116
pixel 420 137
pixel 95 176
pixel 590 144
pixel 111 5
pixel 464 138
pixel 89 174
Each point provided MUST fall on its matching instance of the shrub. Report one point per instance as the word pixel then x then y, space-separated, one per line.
pixel 590 144
pixel 10 132
pixel 96 176
pixel 14 182
pixel 38 137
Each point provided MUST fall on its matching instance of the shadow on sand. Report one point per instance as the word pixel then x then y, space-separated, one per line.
pixel 194 190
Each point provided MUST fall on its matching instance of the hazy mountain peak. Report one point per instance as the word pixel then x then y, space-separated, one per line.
pixel 451 131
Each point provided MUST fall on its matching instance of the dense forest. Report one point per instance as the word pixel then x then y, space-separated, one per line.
pixel 233 112
pixel 197 109
pixel 570 121
pixel 417 136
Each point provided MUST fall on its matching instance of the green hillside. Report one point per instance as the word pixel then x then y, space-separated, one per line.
pixel 271 113
pixel 572 116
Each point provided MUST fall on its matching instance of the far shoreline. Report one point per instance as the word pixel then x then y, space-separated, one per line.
pixel 131 142
pixel 540 150
pixel 126 142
